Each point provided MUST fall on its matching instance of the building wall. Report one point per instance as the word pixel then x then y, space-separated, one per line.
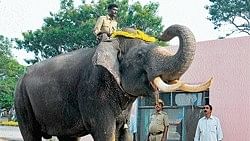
pixel 228 62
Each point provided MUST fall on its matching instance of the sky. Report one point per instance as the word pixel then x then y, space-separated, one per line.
pixel 17 16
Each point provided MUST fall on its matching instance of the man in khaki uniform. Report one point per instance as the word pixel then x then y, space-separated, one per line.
pixel 159 124
pixel 105 25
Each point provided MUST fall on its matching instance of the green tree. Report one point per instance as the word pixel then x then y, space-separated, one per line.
pixel 235 13
pixel 71 28
pixel 10 71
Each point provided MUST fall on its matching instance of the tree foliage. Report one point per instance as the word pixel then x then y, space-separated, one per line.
pixel 71 28
pixel 230 12
pixel 10 71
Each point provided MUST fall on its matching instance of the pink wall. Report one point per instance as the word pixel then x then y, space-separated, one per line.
pixel 228 62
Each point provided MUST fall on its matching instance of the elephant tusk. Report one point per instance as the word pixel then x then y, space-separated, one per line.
pixel 196 88
pixel 164 87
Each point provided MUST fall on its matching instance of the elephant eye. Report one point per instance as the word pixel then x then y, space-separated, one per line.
pixel 140 53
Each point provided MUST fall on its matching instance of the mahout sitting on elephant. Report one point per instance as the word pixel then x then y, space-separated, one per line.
pixel 91 90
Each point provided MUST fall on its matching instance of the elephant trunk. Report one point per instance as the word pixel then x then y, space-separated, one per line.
pixel 166 65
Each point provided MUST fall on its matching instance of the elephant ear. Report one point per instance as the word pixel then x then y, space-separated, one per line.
pixel 106 56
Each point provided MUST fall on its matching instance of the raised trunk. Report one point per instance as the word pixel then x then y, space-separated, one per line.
pixel 164 64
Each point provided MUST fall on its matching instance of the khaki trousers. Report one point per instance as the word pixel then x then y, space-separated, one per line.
pixel 155 137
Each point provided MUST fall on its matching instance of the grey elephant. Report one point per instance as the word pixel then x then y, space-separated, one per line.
pixel 91 91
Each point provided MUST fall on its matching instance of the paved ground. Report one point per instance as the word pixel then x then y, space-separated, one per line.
pixel 9 133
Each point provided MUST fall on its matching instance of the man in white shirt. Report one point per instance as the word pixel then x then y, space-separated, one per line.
pixel 208 128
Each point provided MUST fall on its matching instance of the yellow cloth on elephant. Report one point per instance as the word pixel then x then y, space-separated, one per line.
pixel 138 35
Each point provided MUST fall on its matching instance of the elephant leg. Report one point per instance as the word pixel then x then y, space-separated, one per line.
pixel 123 134
pixel 126 135
pixel 30 133
pixel 67 138
pixel 105 131
pixel 29 127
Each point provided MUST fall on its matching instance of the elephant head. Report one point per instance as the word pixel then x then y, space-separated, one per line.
pixel 139 62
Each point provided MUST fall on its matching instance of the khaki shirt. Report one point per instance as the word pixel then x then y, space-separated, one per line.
pixel 105 24
pixel 158 122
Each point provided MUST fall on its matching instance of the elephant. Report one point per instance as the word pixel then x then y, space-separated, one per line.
pixel 91 90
